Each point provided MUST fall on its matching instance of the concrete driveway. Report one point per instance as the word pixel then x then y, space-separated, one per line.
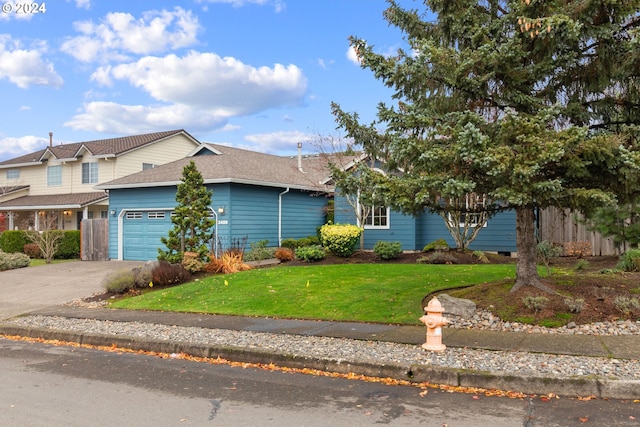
pixel 24 290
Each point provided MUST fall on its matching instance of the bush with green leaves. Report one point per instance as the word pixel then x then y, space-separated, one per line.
pixel 125 280
pixel 482 257
pixel 310 253
pixel 259 251
pixel 629 261
pixel 13 241
pixel 69 246
pixel 436 245
pixel 340 239
pixel 303 241
pixel 387 250
pixel 13 261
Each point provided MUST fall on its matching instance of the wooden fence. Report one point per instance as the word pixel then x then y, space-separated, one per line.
pixel 94 240
pixel 562 226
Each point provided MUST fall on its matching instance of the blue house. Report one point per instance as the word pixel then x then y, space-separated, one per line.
pixel 414 233
pixel 255 195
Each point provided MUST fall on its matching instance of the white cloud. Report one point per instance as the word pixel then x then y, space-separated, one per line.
pixel 121 34
pixel 278 142
pixel 26 67
pixel 12 147
pixel 200 91
pixel 352 55
pixel 278 5
pixel 132 119
pixel 83 4
pixel 208 81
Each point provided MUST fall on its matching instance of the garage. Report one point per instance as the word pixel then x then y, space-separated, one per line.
pixel 142 231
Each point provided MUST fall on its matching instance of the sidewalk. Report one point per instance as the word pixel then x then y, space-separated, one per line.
pixel 616 347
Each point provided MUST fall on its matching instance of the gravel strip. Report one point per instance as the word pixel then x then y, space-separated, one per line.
pixel 355 351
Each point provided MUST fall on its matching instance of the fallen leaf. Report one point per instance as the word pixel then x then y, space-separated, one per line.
pixel 423 393
pixel 584 419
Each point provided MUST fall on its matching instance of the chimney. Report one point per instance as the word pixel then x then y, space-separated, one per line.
pixel 50 139
pixel 300 157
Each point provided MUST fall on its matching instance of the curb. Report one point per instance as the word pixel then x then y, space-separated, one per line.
pixel 605 388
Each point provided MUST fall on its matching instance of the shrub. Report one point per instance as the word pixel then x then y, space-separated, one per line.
pixel 437 257
pixel 387 250
pixel 13 261
pixel 69 246
pixel 191 262
pixel 535 303
pixel 310 253
pixel 303 241
pixel 228 262
pixel 120 281
pixel 259 251
pixel 165 274
pixel 340 239
pixel 481 256
pixel 436 245
pixel 32 250
pixel 582 264
pixel 546 252
pixel 575 305
pixel 629 261
pixel 284 254
pixel 626 305
pixel 13 241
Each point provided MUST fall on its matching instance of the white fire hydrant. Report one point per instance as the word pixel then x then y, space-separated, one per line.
pixel 434 321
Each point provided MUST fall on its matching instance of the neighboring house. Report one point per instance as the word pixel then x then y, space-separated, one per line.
pixel 63 178
pixel 255 196
pixel 414 233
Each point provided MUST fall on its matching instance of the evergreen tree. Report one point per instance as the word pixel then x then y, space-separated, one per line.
pixel 192 227
pixel 528 103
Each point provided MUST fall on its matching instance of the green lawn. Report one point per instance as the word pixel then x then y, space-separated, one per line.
pixel 379 293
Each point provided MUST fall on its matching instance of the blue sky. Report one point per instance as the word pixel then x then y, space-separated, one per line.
pixel 256 74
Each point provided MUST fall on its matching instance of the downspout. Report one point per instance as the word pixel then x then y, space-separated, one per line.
pixel 280 215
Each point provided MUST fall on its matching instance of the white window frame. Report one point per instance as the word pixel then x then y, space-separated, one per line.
pixel 380 212
pixel 13 173
pixel 134 215
pixel 54 176
pixel 156 215
pixel 471 201
pixel 90 173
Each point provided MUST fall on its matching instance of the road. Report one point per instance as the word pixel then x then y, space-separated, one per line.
pixel 46 385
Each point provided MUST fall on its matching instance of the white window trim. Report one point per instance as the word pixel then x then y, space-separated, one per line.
pixel 473 224
pixel 378 227
pixel 92 175
pixel 50 182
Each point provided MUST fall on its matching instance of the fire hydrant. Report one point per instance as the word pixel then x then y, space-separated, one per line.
pixel 434 321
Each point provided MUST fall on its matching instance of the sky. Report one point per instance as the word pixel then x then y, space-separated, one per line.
pixel 255 74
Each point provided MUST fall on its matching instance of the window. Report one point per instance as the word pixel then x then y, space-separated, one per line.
pixel 134 215
pixel 378 217
pixel 54 176
pixel 472 202
pixel 155 215
pixel 146 166
pixel 13 174
pixel 90 173
pixel 104 214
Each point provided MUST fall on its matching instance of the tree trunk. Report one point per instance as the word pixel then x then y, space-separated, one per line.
pixel 526 265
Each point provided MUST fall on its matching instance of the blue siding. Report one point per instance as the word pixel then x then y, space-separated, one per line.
pixel 415 233
pixel 249 211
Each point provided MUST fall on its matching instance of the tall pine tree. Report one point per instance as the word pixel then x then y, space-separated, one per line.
pixel 192 226
pixel 529 103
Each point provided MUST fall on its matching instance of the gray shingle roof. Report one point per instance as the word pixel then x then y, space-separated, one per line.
pixel 61 201
pixel 106 147
pixel 235 165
